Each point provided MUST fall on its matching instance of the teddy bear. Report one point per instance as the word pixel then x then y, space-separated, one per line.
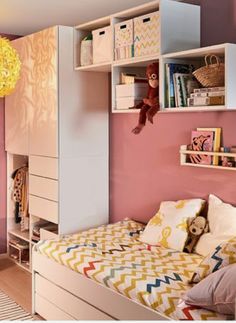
pixel 196 227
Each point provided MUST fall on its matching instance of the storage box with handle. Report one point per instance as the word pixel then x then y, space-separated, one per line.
pixel 124 40
pixel 102 45
pixel 147 34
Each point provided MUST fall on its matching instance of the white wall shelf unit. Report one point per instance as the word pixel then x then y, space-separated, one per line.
pixel 226 52
pixel 184 153
pixel 174 34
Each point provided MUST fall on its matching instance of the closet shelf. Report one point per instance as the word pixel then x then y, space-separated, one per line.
pixel 19 234
pixel 213 108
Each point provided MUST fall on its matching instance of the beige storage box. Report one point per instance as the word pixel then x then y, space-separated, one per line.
pixel 147 34
pixel 127 102
pixel 124 40
pixel 102 45
pixel 137 90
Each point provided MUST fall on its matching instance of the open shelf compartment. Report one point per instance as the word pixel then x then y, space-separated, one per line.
pixel 195 57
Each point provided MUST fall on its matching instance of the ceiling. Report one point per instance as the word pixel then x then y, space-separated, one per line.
pixel 22 17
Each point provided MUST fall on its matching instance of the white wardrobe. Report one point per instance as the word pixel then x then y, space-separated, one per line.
pixel 57 121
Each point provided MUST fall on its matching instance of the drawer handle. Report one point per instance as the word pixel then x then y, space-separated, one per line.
pixel 123 27
pixel 146 20
pixel 102 33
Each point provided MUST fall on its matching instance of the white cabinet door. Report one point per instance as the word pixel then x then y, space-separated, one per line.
pixel 17 104
pixel 43 116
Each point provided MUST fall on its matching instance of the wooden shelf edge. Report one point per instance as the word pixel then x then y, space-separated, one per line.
pixel 207 153
pixel 209 166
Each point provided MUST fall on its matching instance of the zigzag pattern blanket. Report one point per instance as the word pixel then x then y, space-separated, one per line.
pixel 113 256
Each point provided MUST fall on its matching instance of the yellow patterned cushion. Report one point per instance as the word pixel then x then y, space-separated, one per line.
pixel 169 226
pixel 223 255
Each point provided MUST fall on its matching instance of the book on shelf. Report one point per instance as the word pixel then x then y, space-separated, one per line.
pixel 205 94
pixel 206 100
pixel 126 78
pixel 210 89
pixel 201 141
pixel 170 70
pixel 181 84
pixel 216 141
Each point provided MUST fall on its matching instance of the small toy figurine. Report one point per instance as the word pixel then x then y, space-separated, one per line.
pixel 150 105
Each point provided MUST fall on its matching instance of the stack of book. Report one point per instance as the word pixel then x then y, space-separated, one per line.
pixel 131 92
pixel 205 139
pixel 207 96
pixel 180 83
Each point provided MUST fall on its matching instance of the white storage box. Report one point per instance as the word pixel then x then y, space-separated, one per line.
pixel 124 40
pixel 137 90
pixel 147 34
pixel 102 45
pixel 127 102
pixel 86 52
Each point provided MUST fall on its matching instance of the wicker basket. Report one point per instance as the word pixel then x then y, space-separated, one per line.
pixel 211 75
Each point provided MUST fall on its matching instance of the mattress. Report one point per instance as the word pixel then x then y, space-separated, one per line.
pixel 113 256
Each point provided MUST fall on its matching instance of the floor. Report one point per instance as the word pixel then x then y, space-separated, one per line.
pixel 16 283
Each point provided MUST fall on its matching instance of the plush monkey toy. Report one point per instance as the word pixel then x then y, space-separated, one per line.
pixel 150 105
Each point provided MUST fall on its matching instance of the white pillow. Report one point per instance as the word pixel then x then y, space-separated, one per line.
pixel 222 224
pixel 169 226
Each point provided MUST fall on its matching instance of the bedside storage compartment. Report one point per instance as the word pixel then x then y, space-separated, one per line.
pixel 43 187
pixel 47 235
pixel 44 209
pixel 77 308
pixel 43 166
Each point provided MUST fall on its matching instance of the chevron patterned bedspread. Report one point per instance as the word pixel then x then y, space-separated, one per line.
pixel 113 256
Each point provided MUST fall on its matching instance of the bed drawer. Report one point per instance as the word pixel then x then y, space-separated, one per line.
pixel 44 209
pixel 43 187
pixel 71 304
pixel 43 166
pixel 49 311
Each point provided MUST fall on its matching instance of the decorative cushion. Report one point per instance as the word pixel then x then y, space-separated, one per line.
pixel 222 224
pixel 169 226
pixel 223 255
pixel 217 292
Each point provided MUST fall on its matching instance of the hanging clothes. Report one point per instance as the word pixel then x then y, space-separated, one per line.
pixel 20 196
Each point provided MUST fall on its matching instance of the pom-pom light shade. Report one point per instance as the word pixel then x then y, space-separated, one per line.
pixel 9 67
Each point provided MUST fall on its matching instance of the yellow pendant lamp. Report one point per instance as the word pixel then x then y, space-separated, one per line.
pixel 9 67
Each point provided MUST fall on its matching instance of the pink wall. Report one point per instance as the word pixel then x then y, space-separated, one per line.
pixel 3 175
pixel 145 169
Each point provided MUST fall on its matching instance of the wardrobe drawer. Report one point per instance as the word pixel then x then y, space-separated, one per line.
pixel 79 309
pixel 43 187
pixel 49 311
pixel 43 166
pixel 44 209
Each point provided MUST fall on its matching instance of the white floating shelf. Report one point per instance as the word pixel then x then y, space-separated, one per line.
pixel 137 61
pixel 184 152
pixel 213 108
pixel 103 67
pixel 126 111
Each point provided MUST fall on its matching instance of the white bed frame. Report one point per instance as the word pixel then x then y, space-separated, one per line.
pixel 60 293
